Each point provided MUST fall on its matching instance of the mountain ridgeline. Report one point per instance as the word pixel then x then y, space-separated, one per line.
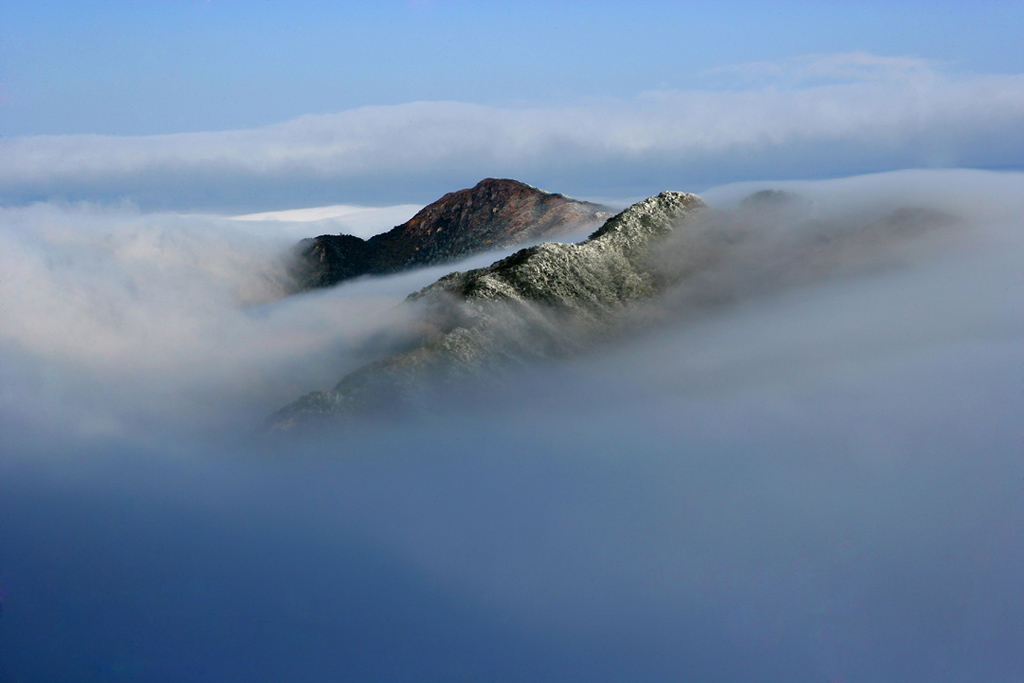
pixel 553 300
pixel 496 213
pixel 541 302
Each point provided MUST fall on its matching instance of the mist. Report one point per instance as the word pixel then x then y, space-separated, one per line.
pixel 788 469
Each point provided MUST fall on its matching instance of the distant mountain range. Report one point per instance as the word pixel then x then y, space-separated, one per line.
pixel 496 213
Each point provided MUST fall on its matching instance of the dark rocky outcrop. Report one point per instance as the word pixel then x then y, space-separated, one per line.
pixel 496 213
pixel 540 302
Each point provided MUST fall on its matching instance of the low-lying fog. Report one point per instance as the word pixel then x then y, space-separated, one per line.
pixel 814 477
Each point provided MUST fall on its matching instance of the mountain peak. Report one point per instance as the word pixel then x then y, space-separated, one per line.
pixel 495 213
pixel 540 302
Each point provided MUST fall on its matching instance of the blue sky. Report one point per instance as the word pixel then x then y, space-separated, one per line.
pixel 129 68
pixel 136 70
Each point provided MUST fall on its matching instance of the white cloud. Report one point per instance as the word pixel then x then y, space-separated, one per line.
pixel 361 221
pixel 860 112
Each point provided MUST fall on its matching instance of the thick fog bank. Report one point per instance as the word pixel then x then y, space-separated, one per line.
pixel 800 478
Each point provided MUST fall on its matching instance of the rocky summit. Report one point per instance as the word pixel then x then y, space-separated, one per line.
pixel 494 214
pixel 541 302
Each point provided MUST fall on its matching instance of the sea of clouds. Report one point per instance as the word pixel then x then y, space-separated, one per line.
pixel 799 478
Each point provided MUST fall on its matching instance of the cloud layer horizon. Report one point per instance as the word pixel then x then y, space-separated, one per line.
pixel 817 116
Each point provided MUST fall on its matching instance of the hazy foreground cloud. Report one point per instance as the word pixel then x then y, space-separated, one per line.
pixel 160 310
pixel 817 482
pixel 821 115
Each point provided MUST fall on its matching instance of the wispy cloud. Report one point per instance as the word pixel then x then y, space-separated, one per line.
pixel 821 115
pixel 846 67
pixel 361 221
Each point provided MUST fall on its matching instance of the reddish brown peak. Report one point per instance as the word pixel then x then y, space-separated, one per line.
pixel 493 214
pixel 490 193
pixel 499 186
pixel 494 188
